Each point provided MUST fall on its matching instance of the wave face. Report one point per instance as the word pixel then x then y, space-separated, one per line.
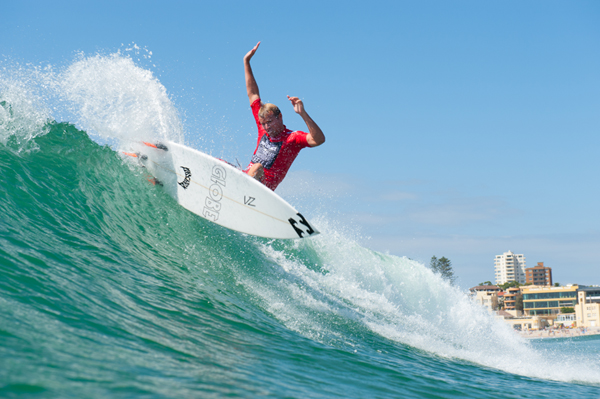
pixel 109 289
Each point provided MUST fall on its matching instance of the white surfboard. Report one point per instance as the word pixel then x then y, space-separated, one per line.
pixel 221 193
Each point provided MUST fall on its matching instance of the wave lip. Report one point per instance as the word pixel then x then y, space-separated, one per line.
pixel 116 99
pixel 108 96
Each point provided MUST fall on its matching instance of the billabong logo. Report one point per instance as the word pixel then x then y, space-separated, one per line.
pixel 188 175
pixel 295 224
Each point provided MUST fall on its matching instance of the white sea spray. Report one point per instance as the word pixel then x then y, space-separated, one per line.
pixel 108 96
pixel 114 98
pixel 24 113
pixel 403 301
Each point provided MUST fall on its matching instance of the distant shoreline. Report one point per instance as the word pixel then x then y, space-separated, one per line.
pixel 562 333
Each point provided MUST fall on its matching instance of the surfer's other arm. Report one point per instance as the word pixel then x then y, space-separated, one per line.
pixel 251 85
pixel 315 136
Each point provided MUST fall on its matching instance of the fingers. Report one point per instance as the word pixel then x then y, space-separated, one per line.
pixel 297 104
pixel 251 52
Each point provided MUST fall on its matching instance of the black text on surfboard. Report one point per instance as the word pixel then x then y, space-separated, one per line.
pixel 249 201
pixel 295 224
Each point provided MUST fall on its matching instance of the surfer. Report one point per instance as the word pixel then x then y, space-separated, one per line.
pixel 277 146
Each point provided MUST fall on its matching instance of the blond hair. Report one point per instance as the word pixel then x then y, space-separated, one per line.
pixel 268 109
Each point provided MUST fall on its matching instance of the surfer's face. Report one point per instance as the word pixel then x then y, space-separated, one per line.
pixel 272 124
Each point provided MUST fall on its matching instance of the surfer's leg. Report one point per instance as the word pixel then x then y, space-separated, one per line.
pixel 257 171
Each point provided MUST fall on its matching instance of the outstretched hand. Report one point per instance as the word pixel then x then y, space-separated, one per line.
pixel 297 104
pixel 250 53
pixel 315 135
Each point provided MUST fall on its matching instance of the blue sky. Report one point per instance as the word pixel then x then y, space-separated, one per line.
pixel 461 129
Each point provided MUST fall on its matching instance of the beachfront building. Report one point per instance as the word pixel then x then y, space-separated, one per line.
pixel 587 309
pixel 547 301
pixel 592 293
pixel 509 267
pixel 542 307
pixel 538 275
pixel 566 320
pixel 525 323
pixel 522 323
pixel 486 295
pixel 510 299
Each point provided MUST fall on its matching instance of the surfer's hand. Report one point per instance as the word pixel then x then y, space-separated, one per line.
pixel 315 134
pixel 297 104
pixel 250 54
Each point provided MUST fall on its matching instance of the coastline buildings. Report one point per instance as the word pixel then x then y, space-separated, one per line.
pixel 569 306
pixel 486 296
pixel 587 310
pixel 548 301
pixel 509 267
pixel 538 275
pixel 534 304
pixel 510 299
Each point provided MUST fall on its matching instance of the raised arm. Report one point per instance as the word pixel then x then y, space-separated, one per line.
pixel 251 86
pixel 315 136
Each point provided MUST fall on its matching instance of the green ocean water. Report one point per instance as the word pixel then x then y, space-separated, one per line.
pixel 109 289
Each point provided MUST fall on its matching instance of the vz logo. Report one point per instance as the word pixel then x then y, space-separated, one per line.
pixel 303 221
pixel 188 175
pixel 249 201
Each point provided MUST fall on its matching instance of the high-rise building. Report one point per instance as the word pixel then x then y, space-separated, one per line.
pixel 538 275
pixel 510 267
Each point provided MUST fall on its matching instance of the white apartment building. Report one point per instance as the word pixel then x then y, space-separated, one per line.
pixel 510 267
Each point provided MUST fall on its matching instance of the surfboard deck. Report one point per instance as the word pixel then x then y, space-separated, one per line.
pixel 219 192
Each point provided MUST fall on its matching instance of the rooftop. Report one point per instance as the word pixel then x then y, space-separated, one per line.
pixel 485 288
